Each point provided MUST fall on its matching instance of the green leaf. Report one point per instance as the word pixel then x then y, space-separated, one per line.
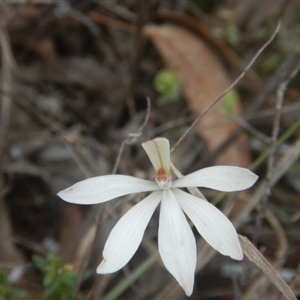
pixel 229 102
pixel 167 85
pixel 49 278
pixel 2 279
pixel 40 262
pixel 70 279
pixel 58 280
pixel 16 294
pixel 51 291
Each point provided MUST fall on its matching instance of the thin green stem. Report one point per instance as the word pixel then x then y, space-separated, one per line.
pixel 126 282
pixel 281 139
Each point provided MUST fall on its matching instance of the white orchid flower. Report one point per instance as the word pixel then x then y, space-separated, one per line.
pixel 176 242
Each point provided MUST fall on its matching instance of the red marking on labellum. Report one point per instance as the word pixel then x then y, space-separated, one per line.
pixel 161 175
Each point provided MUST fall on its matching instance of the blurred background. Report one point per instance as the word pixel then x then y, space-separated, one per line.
pixel 84 83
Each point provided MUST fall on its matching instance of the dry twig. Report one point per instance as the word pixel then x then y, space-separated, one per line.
pixel 230 87
pixel 133 136
pixel 271 160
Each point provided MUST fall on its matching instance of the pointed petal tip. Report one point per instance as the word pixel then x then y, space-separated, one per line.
pixel 188 293
pixel 69 195
pixel 101 269
pixel 188 290
pixel 237 256
pixel 236 251
pixel 187 287
pixel 107 268
pixel 64 194
pixel 254 177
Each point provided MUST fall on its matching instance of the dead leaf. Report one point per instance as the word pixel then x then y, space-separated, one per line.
pixel 203 79
pixel 258 259
pixel 219 45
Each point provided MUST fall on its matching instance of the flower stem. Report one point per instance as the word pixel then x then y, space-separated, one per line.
pixel 126 282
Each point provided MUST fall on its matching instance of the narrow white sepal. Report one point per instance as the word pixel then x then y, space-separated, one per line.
pixel 104 188
pixel 211 223
pixel 176 242
pixel 158 151
pixel 126 236
pixel 220 178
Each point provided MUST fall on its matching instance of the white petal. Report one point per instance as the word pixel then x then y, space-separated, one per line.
pixel 127 235
pixel 104 188
pixel 211 223
pixel 220 178
pixel 176 242
pixel 158 151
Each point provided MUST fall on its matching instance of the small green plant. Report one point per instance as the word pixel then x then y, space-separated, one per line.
pixel 229 102
pixel 59 282
pixel 8 292
pixel 167 85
